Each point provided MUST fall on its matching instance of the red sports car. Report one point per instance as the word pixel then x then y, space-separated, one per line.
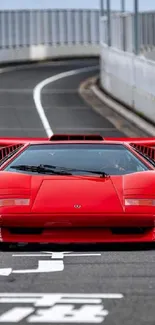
pixel 77 188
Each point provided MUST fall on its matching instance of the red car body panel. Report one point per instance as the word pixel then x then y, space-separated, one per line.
pixel 78 208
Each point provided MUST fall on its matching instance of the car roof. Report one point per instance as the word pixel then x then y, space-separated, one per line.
pixel 69 139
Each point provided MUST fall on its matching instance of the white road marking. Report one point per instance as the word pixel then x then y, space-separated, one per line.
pixel 54 255
pixel 64 301
pixel 48 297
pixel 44 267
pixel 5 271
pixel 56 265
pixel 81 301
pixel 68 314
pixel 16 315
pixel 38 89
pixel 21 300
pixel 56 308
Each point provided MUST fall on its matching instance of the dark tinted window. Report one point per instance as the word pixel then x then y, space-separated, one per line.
pixel 113 159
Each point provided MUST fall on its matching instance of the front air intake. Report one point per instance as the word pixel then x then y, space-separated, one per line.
pixel 74 137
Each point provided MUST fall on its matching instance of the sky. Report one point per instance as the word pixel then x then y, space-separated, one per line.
pixel 43 4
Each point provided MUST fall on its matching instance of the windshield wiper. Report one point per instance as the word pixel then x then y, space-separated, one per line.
pixel 52 169
pixel 67 169
pixel 40 169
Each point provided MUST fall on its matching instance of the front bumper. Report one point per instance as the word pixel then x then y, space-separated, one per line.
pixel 76 235
pixel 34 228
pixel 77 220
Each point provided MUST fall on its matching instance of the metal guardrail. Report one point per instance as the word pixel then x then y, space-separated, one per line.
pixel 122 31
pixel 26 28
pixel 48 27
pixel 128 58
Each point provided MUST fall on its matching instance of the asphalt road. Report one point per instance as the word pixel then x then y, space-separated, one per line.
pixel 96 284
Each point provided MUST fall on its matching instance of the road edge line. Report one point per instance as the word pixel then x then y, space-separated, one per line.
pixel 39 87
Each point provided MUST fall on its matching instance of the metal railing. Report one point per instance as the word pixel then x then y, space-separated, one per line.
pixel 122 31
pixel 26 28
pixel 49 27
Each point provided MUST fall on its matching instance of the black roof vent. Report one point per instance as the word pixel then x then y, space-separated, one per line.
pixel 74 137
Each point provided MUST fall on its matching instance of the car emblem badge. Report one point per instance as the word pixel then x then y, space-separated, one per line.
pixel 77 206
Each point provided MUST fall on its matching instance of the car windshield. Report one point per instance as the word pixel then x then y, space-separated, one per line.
pixel 112 159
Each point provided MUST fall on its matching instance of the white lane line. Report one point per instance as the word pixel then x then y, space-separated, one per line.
pixel 54 255
pixel 78 295
pixel 38 89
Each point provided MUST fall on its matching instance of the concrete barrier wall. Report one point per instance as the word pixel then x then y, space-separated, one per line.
pixel 130 79
pixel 41 52
pixel 149 53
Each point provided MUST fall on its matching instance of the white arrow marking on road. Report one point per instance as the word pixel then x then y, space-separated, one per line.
pixel 45 267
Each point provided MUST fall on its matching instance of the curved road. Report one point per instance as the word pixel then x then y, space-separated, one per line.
pixel 64 108
pixel 97 284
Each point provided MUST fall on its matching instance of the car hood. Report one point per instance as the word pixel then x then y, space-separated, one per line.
pixel 74 194
pixel 77 195
pixel 57 194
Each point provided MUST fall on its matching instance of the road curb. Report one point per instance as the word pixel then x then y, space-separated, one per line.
pixel 120 109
